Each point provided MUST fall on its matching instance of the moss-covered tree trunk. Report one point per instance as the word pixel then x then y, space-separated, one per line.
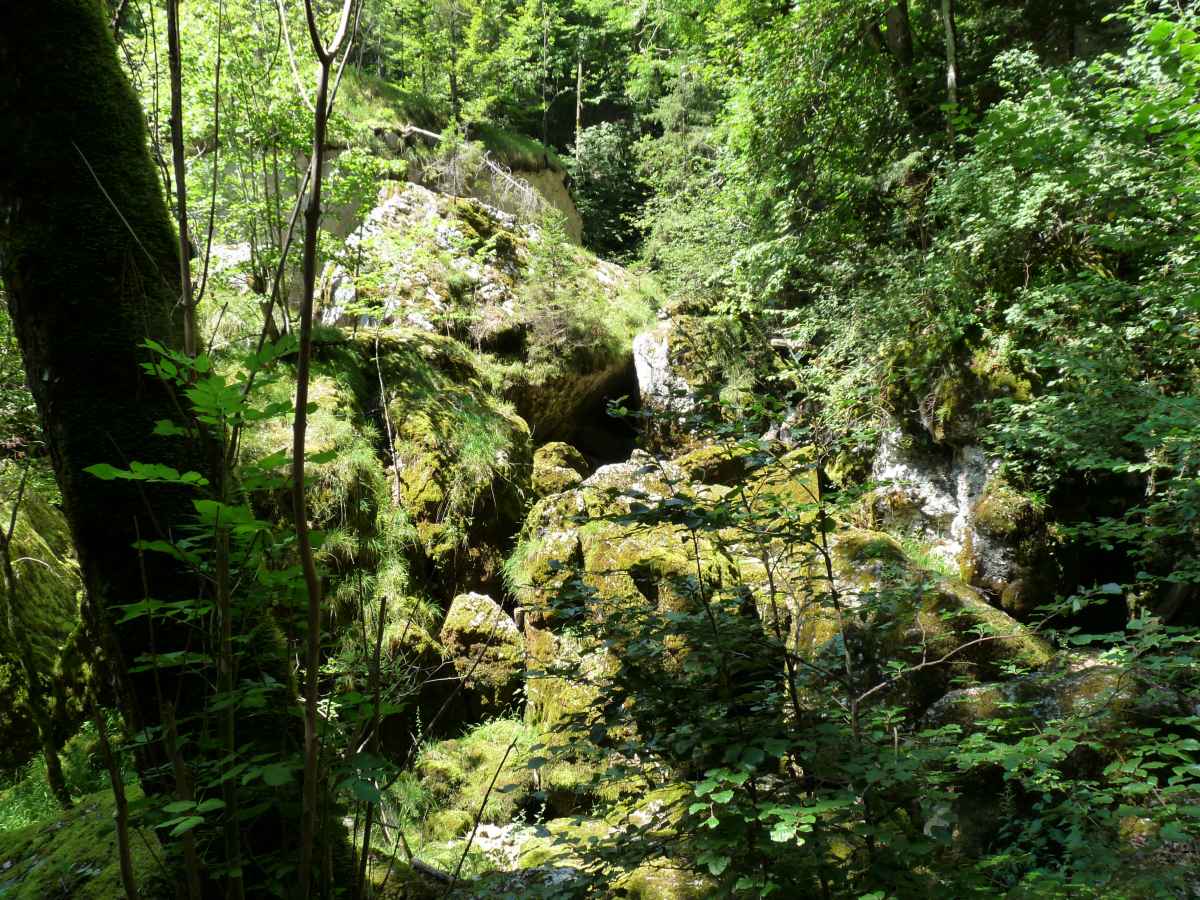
pixel 90 261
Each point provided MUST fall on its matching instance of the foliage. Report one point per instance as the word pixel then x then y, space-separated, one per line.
pixel 609 200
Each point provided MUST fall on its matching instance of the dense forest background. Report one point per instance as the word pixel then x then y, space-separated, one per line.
pixel 570 448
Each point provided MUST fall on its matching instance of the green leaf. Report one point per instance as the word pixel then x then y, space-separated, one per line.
pixel 782 833
pixel 277 774
pixel 167 428
pixel 187 825
pixel 180 806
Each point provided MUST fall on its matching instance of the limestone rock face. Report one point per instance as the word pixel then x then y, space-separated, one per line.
pixel 956 500
pixel 555 345
pixel 487 649
pixel 660 386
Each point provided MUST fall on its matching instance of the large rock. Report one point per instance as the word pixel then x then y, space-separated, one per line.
pixel 937 627
pixel 464 458
pixel 661 387
pixel 488 652
pixel 555 343
pixel 558 467
pixel 46 614
pixel 956 501
pixel 1104 699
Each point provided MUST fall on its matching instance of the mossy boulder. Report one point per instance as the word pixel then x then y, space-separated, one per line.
pixel 1102 698
pixel 488 651
pixel 949 404
pixel 557 467
pixel 724 464
pixel 453 777
pixel 75 855
pixel 551 324
pixel 688 359
pixel 46 615
pixel 464 457
pixel 664 878
pixel 1009 550
pixel 562 680
pixel 897 611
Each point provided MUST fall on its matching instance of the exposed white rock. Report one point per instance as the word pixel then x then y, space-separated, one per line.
pixel 502 844
pixel 660 387
pixel 937 495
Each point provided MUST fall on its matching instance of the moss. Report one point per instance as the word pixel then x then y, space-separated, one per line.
pixel 1003 511
pixel 550 324
pixel 666 879
pixel 46 614
pixel 716 463
pixel 565 843
pixel 464 457
pixel 448 824
pixel 74 855
pixel 560 701
pixel 720 356
pixel 898 611
pixel 558 467
pixel 517 151
pixel 487 650
pixel 455 774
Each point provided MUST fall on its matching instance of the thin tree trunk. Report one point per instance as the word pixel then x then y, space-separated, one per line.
pixel 312 221
pixel 951 51
pixel 312 659
pixel 120 802
pixel 578 101
pixel 951 62
pixel 180 167
pixel 183 791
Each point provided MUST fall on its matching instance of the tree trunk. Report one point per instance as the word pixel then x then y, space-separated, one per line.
pixel 91 265
pixel 578 101
pixel 899 33
pixel 90 261
pixel 951 51
pixel 179 164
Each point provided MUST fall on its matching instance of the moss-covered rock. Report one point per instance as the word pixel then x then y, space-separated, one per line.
pixel 562 680
pixel 687 359
pixel 1009 550
pixel 551 324
pixel 723 464
pixel 46 615
pixel 664 878
pixel 1104 698
pixel 75 855
pixel 558 467
pixel 463 456
pixel 895 611
pixel 488 652
pixel 454 776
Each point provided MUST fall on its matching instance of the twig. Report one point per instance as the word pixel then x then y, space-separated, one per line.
pixel 479 815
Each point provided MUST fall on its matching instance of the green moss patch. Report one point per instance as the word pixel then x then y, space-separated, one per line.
pixel 45 614
pixel 75 856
